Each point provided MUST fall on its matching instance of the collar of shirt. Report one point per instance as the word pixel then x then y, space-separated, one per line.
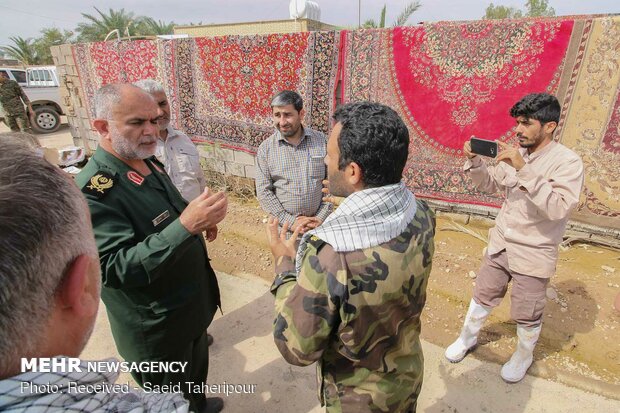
pixel 172 133
pixel 530 157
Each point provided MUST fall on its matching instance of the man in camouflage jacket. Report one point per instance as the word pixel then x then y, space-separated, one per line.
pixel 350 298
pixel 13 99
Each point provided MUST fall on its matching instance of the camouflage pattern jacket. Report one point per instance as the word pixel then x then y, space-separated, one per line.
pixel 11 96
pixel 357 314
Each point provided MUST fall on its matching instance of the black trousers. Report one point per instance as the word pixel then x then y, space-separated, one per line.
pixel 196 353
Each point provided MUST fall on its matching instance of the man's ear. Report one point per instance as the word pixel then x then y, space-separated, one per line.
pixel 102 126
pixel 354 174
pixel 302 114
pixel 78 291
pixel 550 127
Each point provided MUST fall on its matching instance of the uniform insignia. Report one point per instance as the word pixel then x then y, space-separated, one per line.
pixel 316 242
pixel 99 184
pixel 135 177
pixel 161 218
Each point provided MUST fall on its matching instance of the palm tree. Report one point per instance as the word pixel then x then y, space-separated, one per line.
pixel 50 37
pixel 400 20
pixel 100 26
pixel 24 51
pixel 158 27
pixel 406 13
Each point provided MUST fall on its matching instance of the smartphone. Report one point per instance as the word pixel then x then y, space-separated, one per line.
pixel 483 147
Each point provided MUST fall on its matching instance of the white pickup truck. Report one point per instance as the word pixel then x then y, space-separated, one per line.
pixel 41 86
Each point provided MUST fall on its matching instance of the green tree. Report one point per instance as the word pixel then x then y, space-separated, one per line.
pixel 98 27
pixel 401 20
pixel 537 8
pixel 23 50
pixel 158 27
pixel 502 12
pixel 533 8
pixel 50 37
pixel 404 15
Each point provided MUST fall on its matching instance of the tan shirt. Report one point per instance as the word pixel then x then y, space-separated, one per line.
pixel 182 162
pixel 539 198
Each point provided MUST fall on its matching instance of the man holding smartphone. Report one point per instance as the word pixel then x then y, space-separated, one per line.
pixel 542 180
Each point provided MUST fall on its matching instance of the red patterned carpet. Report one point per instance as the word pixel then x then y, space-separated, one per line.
pixel 220 88
pixel 448 80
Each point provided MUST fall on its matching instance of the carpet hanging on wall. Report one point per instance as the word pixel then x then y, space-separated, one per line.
pixel 450 81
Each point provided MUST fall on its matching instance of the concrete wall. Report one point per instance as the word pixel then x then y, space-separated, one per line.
pixel 264 27
pixel 73 98
pixel 216 158
pixel 227 161
pixel 219 159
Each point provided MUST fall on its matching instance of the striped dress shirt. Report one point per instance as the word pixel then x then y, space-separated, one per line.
pixel 289 178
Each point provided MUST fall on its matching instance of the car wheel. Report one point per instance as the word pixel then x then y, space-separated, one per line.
pixel 45 120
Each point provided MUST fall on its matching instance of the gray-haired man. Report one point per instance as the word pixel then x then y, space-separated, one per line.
pixel 49 294
pixel 175 150
pixel 158 286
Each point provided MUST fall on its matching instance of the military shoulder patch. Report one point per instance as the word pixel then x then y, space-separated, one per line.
pixel 135 177
pixel 316 242
pixel 99 185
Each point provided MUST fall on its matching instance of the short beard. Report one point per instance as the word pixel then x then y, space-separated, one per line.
pixel 531 143
pixel 337 186
pixel 290 133
pixel 122 147
pixel 163 125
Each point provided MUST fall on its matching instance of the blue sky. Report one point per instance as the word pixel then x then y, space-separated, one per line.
pixel 27 18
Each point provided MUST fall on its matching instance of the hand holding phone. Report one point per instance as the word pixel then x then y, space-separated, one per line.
pixel 483 147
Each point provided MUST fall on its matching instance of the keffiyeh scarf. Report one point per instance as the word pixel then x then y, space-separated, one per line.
pixel 365 219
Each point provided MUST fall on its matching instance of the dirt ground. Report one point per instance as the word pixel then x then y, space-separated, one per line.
pixel 579 344
pixel 580 340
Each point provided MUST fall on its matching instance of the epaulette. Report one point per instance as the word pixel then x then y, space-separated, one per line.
pixel 99 185
pixel 316 242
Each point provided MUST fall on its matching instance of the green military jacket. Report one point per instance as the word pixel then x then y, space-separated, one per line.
pixel 159 289
pixel 11 96
pixel 357 314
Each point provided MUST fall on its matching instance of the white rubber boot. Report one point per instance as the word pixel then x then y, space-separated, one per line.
pixel 476 315
pixel 521 360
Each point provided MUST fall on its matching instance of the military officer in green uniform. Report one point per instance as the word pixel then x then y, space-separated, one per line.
pixel 351 296
pixel 13 99
pixel 159 289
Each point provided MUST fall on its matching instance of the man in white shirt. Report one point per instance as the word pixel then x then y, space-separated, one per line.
pixel 175 150
pixel 542 180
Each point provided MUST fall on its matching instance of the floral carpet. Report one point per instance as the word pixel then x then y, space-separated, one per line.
pixel 448 81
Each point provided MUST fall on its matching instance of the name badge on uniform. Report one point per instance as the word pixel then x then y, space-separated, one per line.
pixel 161 218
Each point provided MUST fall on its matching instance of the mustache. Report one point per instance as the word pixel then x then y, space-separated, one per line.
pixel 148 140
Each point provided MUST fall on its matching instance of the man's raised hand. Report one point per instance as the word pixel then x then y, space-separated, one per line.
pixel 204 212
pixel 280 246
